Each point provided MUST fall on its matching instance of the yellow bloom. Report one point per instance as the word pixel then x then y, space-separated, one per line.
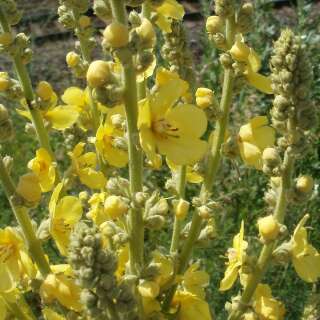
pixel 265 306
pixel 84 165
pixel 305 258
pixel 123 258
pixel 60 287
pixel 191 307
pixel 253 138
pixel 242 53
pixel 44 169
pixel 64 214
pixel 170 130
pixel 97 212
pixel 192 176
pixel 169 10
pixel 236 256
pixel 195 281
pixel 115 207
pixel 106 137
pixel 15 263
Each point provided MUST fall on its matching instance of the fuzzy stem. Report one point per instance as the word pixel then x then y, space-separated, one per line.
pixel 181 186
pixel 267 249
pixel 136 247
pixel 214 160
pixel 25 82
pixel 21 214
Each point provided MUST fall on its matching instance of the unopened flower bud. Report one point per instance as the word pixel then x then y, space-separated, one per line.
pixel 72 59
pixel 4 81
pixel 29 188
pixel 214 24
pixel 4 114
pixel 226 60
pixel 271 157
pixel 83 195
pixel 146 33
pixel 98 73
pixel 160 208
pixel 44 90
pixel 181 209
pixel 116 35
pixel 154 222
pixel 84 22
pixel 148 289
pixel 204 212
pixel 204 97
pixel 6 39
pixel 305 184
pixel 115 207
pixel 269 228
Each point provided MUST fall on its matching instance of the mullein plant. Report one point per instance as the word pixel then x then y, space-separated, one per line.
pixel 119 121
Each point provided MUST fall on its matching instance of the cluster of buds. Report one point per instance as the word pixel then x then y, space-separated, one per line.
pixel 293 112
pixel 6 126
pixel 177 53
pixel 155 211
pixel 105 83
pixel 245 18
pixel 102 9
pixel 10 88
pixel 118 186
pixel 271 162
pixel 13 15
pixel 206 100
pixel 215 28
pixel 95 268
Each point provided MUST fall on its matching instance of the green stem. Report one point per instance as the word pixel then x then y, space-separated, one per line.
pixel 178 222
pixel 267 249
pixel 25 82
pixel 21 214
pixel 214 160
pixel 136 247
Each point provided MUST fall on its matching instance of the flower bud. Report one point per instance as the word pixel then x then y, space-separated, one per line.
pixel 115 207
pixel 154 222
pixel 240 51
pixel 181 209
pixel 98 73
pixel 204 97
pixel 146 33
pixel 116 35
pixel 6 39
pixel 148 289
pixel 4 81
pixel 84 22
pixel 214 24
pixel 44 90
pixel 271 157
pixel 305 184
pixel 160 208
pixel 72 59
pixel 204 212
pixel 268 228
pixel 4 114
pixel 29 187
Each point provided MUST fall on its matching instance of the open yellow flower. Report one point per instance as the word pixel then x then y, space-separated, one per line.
pixel 64 214
pixel 169 129
pixel 60 117
pixel 253 138
pixel 106 139
pixel 242 53
pixel 191 307
pixel 265 306
pixel 60 287
pixel 305 258
pixel 84 165
pixel 15 263
pixel 44 169
pixel 166 12
pixel 236 256
pixel 191 175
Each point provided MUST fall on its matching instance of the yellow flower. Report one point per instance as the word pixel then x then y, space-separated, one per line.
pixel 253 138
pixel 236 256
pixel 123 258
pixel 106 140
pixel 195 281
pixel 84 166
pixel 169 10
pixel 60 287
pixel 192 176
pixel 171 130
pixel 242 53
pixel 305 258
pixel 165 267
pixel 60 117
pixel 115 207
pixel 44 169
pixel 64 214
pixel 191 307
pixel 97 212
pixel 265 306
pixel 15 263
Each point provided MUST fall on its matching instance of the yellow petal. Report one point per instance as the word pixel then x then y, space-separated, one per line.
pixel 258 121
pixel 259 81
pixel 148 144
pixel 144 117
pixel 189 119
pixel 251 155
pixel 172 9
pixel 55 197
pixel 74 96
pixel 7 282
pixel 92 179
pixel 62 117
pixel 230 276
pixel 49 314
pixel 240 51
pixel 264 137
pixel 70 209
pixel 254 61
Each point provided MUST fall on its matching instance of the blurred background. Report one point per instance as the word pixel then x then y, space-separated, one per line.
pixel 240 189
